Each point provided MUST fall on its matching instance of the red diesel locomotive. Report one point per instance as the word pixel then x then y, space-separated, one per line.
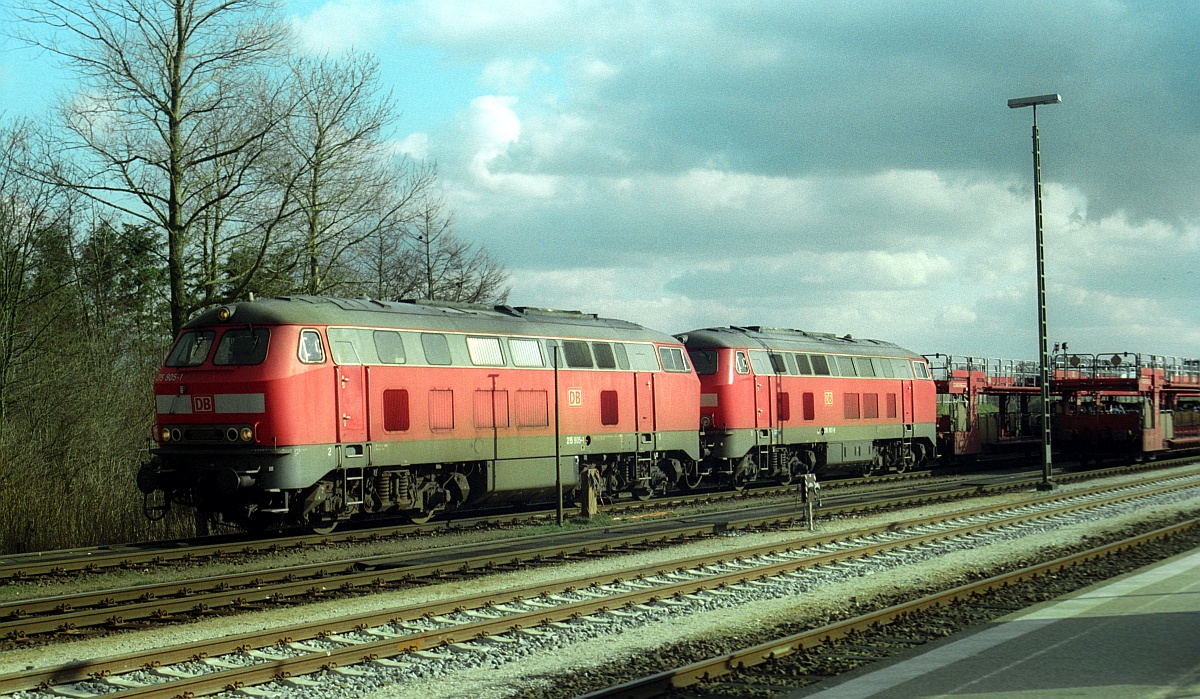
pixel 777 403
pixel 308 411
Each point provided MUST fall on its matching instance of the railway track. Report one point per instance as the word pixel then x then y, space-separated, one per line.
pixel 422 640
pixel 22 568
pixel 236 547
pixel 174 601
pixel 796 660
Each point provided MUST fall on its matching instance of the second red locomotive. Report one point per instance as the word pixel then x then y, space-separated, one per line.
pixel 776 403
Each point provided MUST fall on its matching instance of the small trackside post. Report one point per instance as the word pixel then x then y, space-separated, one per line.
pixel 590 500
pixel 811 496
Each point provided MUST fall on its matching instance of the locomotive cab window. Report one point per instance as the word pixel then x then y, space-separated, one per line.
pixel 672 359
pixel 705 361
pixel 191 349
pixel 242 347
pixel 922 371
pixel 311 351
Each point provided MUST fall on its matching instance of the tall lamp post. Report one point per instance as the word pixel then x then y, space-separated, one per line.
pixel 1043 354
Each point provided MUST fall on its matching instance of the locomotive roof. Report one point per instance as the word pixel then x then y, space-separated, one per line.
pixel 427 315
pixel 755 337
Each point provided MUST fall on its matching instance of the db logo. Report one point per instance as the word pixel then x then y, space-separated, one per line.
pixel 575 397
pixel 829 398
pixel 202 404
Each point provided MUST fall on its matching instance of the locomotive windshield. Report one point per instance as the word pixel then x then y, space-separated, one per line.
pixel 705 361
pixel 191 349
pixel 242 346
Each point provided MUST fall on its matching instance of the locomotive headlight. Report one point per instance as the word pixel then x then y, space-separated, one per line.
pixel 166 434
pixel 176 435
pixel 224 313
pixel 231 434
pixel 247 434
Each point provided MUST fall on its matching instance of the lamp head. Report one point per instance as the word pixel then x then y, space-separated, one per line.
pixel 1018 102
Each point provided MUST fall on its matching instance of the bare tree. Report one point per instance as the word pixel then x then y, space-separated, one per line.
pixel 441 266
pixel 170 101
pixel 350 186
pixel 31 212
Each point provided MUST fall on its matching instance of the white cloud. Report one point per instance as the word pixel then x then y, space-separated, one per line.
pixel 340 25
pixel 414 145
pixel 509 76
pixel 495 127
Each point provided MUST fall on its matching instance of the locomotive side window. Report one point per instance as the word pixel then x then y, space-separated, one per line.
pixel 642 357
pixel 526 352
pixel 803 365
pixel 605 358
pixel 672 359
pixel 742 365
pixel 311 350
pixel 885 368
pixel 705 361
pixel 903 368
pixel 778 363
pixel 846 366
pixel 191 349
pixel 485 351
pixel 343 346
pixel 820 365
pixel 577 354
pixel 761 363
pixel 791 363
pixel 437 349
pixel 622 357
pixel 242 347
pixel 389 346
pixel 862 365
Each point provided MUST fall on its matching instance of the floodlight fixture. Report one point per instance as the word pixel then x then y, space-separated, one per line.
pixel 1018 102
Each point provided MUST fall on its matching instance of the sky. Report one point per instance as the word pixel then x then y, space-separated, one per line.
pixel 834 166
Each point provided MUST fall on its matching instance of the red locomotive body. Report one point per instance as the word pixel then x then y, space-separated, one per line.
pixel 309 410
pixel 776 403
